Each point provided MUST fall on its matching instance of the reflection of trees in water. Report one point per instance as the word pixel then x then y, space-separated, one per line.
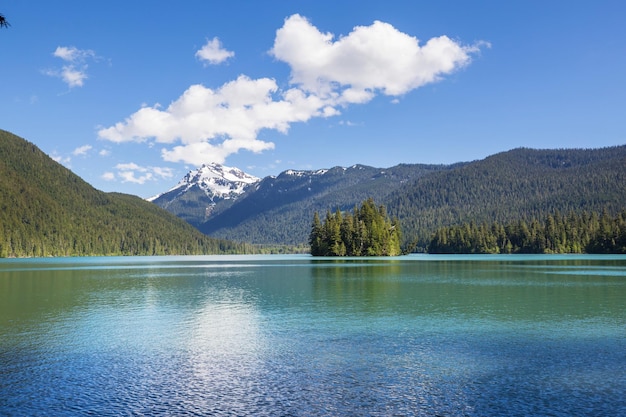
pixel 362 285
pixel 540 290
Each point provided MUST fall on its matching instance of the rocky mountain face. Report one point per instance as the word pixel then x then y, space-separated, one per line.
pixel 203 191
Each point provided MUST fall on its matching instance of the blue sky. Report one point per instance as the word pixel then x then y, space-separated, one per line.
pixel 131 95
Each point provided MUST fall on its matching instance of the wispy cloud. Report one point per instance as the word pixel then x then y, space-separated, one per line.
pixel 131 172
pixel 74 72
pixel 82 150
pixel 207 125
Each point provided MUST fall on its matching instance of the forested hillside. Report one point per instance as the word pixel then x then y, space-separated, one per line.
pixel 557 233
pixel 521 184
pixel 46 210
pixel 279 209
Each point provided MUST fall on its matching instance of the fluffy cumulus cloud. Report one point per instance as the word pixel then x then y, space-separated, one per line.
pixel 137 174
pixel 371 59
pixel 207 125
pixel 213 53
pixel 212 124
pixel 74 72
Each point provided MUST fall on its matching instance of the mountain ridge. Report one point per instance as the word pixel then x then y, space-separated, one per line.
pixel 216 180
pixel 519 183
pixel 202 190
pixel 277 196
pixel 279 208
pixel 522 183
pixel 47 210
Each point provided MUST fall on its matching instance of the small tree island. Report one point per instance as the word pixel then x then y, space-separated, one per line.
pixel 368 231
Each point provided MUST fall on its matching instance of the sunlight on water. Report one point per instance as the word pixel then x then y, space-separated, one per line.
pixel 293 335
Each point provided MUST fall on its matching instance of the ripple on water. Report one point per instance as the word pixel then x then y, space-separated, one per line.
pixel 301 342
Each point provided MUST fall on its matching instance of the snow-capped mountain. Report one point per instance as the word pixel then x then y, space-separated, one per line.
pixel 195 196
pixel 217 181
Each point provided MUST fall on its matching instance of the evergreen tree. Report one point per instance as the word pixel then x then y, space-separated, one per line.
pixel 316 237
pixel 574 233
pixel 366 232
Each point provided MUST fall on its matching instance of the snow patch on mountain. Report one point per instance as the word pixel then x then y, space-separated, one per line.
pixel 217 181
pixel 296 173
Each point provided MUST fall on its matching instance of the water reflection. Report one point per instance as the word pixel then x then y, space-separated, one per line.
pixel 311 337
pixel 502 290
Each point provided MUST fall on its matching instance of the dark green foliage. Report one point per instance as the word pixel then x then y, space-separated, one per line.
pixel 368 231
pixel 572 233
pixel 520 184
pixel 46 210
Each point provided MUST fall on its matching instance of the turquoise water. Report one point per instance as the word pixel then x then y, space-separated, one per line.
pixel 302 336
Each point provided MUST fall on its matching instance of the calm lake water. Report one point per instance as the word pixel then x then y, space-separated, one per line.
pixel 302 336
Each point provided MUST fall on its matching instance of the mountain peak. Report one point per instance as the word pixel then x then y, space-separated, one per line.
pixel 215 170
pixel 215 180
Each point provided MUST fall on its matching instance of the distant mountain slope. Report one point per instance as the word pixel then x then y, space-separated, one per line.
pixel 203 191
pixel 518 184
pixel 46 210
pixel 509 186
pixel 279 210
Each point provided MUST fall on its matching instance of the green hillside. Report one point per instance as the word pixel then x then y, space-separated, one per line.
pixel 46 210
pixel 521 184
pixel 557 233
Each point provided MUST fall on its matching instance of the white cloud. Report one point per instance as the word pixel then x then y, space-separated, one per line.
pixel 74 73
pixel 104 152
pixel 73 77
pixel 207 125
pixel 82 150
pixel 201 152
pixel 69 74
pixel 73 54
pixel 375 58
pixel 137 174
pixel 213 53
pixel 212 124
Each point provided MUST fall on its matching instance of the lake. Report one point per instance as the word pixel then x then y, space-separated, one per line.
pixel 300 336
